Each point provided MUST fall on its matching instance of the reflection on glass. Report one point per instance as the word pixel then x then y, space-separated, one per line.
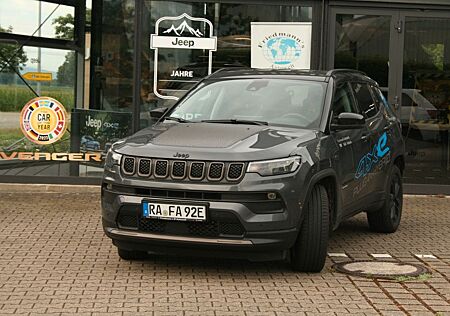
pixel 362 42
pixel 231 22
pixel 113 69
pixel 426 99
pixel 14 94
pixel 22 16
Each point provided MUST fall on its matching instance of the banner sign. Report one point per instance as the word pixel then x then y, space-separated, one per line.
pixel 281 45
pixel 175 43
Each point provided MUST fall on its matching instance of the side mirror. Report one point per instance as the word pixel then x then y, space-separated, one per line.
pixel 347 120
pixel 158 112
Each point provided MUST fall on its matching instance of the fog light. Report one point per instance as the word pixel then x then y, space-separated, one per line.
pixel 271 196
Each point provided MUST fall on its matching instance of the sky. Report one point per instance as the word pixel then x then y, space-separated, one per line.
pixel 23 16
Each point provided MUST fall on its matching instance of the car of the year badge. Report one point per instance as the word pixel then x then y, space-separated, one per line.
pixel 257 164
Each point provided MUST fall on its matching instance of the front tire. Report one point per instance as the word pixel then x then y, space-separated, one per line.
pixel 387 218
pixel 131 254
pixel 310 251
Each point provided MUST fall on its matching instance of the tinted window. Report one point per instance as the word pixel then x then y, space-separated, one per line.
pixel 382 102
pixel 364 98
pixel 343 100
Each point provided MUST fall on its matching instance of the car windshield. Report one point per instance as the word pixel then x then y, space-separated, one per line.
pixel 297 103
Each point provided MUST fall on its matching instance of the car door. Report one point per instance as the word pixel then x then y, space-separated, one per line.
pixel 371 169
pixel 350 143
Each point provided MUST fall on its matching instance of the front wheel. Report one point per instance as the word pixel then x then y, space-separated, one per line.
pixel 310 250
pixel 387 218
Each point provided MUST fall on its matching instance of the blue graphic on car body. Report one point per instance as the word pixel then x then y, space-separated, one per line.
pixel 369 160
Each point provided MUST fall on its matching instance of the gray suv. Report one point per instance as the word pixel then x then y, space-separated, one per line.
pixel 257 164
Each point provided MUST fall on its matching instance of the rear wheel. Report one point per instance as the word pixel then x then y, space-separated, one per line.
pixel 387 218
pixel 310 251
pixel 131 254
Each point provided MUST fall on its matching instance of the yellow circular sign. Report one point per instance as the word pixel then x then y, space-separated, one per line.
pixel 43 120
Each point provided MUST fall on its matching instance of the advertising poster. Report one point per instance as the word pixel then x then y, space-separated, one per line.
pixel 99 129
pixel 281 45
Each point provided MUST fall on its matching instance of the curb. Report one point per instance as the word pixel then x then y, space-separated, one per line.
pixel 48 188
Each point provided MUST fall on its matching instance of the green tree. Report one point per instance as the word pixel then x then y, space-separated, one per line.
pixel 64 29
pixel 9 52
pixel 66 72
pixel 64 25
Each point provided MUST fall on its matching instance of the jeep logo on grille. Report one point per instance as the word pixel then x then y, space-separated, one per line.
pixel 178 155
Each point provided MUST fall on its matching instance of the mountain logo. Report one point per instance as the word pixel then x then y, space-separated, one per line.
pixel 183 27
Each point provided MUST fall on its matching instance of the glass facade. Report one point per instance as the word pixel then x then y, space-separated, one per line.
pixel 414 75
pixel 124 76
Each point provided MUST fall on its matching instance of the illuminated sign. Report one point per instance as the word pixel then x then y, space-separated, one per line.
pixel 43 120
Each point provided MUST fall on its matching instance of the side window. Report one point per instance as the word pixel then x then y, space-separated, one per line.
pixel 343 100
pixel 383 103
pixel 364 98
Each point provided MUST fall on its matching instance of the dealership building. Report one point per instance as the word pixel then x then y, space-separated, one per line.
pixel 108 63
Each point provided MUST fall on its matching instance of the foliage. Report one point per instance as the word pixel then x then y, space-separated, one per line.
pixel 9 51
pixel 64 25
pixel 13 98
pixel 66 72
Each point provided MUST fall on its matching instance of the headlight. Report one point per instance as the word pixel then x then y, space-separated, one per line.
pixel 112 158
pixel 274 167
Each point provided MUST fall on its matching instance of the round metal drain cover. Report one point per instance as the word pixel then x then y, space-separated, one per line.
pixel 380 269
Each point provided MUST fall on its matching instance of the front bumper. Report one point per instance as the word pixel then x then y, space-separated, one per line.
pixel 241 224
pixel 256 247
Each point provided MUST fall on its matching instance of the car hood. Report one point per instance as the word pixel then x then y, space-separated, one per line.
pixel 214 141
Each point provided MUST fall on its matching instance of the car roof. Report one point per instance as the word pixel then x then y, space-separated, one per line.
pixel 316 75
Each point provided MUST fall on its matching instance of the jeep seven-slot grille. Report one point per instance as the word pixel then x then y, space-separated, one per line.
pixel 128 165
pixel 183 170
pixel 215 171
pixel 197 170
pixel 161 168
pixel 144 167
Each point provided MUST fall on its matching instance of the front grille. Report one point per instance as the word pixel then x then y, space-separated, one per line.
pixel 144 167
pixel 178 169
pixel 128 165
pixel 235 171
pixel 197 170
pixel 182 170
pixel 215 171
pixel 161 168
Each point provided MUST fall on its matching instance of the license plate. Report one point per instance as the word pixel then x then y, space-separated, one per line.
pixel 174 211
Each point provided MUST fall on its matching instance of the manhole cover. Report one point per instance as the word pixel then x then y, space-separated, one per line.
pixel 380 269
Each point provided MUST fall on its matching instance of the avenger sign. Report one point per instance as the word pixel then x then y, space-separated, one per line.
pixel 179 43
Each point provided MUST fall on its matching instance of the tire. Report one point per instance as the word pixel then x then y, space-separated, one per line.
pixel 387 218
pixel 131 255
pixel 310 250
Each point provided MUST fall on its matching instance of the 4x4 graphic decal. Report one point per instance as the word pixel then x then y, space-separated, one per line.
pixel 369 160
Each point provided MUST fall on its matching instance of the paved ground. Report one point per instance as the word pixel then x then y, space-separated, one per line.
pixel 54 258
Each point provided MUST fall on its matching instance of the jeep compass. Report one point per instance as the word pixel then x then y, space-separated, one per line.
pixel 257 164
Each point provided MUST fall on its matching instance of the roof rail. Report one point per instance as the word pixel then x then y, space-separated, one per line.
pixel 334 71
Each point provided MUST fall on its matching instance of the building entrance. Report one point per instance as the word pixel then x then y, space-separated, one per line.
pixel 408 53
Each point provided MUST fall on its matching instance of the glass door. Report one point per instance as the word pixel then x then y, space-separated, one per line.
pixel 424 95
pixel 366 40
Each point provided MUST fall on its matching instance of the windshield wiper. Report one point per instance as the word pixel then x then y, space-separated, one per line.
pixel 235 121
pixel 176 119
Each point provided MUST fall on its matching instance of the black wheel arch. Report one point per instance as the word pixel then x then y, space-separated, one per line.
pixel 328 179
